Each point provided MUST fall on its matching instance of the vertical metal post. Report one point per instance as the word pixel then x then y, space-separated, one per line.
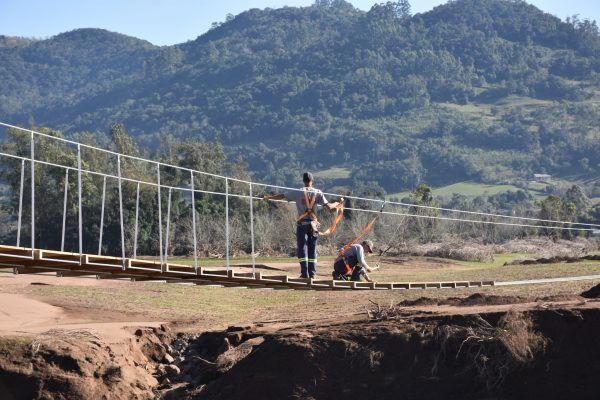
pixel 194 223
pixel 64 221
pixel 227 224
pixel 252 232
pixel 121 211
pixel 160 241
pixel 168 227
pixel 102 215
pixel 80 217
pixel 137 207
pixel 20 203
pixel 32 194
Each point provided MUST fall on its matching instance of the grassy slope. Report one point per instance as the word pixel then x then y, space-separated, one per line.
pixel 488 113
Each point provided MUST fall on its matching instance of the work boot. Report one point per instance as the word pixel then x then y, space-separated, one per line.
pixel 337 276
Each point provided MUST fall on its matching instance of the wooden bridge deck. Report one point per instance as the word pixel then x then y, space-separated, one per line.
pixel 35 261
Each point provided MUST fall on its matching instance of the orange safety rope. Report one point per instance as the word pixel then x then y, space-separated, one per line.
pixel 361 234
pixel 338 217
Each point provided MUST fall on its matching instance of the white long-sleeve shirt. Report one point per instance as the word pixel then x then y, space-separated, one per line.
pixel 355 255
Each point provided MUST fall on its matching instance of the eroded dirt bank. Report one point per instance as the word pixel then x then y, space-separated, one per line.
pixel 547 351
pixel 78 364
pixel 550 354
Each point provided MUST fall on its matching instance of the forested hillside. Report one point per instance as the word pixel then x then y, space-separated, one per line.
pixel 484 90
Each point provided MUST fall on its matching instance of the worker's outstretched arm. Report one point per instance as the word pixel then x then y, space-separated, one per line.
pixel 335 204
pixel 279 196
pixel 363 263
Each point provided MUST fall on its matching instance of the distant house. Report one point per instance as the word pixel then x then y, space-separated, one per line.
pixel 542 178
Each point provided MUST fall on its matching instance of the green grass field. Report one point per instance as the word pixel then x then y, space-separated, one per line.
pixel 334 173
pixel 471 189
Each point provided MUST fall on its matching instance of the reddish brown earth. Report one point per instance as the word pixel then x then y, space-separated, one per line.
pixel 455 348
pixel 414 357
pixel 77 364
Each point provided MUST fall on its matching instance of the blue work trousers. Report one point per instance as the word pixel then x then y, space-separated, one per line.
pixel 340 270
pixel 307 250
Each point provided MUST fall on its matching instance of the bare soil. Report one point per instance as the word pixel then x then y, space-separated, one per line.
pixel 79 364
pixel 421 357
pixel 73 338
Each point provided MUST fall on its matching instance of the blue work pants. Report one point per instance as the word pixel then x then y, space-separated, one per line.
pixel 307 250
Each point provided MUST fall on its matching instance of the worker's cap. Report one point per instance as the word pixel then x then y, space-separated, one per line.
pixel 307 177
pixel 368 243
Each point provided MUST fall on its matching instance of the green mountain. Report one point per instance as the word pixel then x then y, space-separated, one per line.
pixel 482 90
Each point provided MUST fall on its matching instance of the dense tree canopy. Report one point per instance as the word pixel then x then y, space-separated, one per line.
pixel 488 90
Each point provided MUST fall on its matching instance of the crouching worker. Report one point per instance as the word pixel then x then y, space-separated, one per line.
pixel 351 265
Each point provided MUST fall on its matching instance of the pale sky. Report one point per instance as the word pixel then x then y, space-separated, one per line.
pixel 166 22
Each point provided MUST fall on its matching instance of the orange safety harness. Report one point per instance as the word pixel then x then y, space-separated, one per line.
pixel 356 239
pixel 339 213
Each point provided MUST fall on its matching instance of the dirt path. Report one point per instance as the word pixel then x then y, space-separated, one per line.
pixel 21 315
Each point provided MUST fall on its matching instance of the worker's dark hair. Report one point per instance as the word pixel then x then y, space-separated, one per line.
pixel 307 177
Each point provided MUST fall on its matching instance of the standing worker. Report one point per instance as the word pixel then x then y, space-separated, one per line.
pixel 351 264
pixel 307 224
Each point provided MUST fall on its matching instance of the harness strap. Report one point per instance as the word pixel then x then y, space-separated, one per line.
pixel 309 206
pixel 348 267
pixel 339 210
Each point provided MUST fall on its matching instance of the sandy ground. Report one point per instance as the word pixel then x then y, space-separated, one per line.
pixel 23 316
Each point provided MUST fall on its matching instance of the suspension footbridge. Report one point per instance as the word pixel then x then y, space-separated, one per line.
pixel 37 250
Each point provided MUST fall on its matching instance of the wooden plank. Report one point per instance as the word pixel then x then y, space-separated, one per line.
pixel 221 273
pixel 244 274
pixel 433 285
pixel 12 253
pixel 143 265
pixel 16 251
pixel 277 278
pixel 74 274
pixel 58 257
pixel 342 284
pixel 417 285
pixel 135 262
pixel 325 282
pixel 383 285
pixel 103 261
pixel 6 248
pixel 180 269
pixel 313 283
pixel 397 285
